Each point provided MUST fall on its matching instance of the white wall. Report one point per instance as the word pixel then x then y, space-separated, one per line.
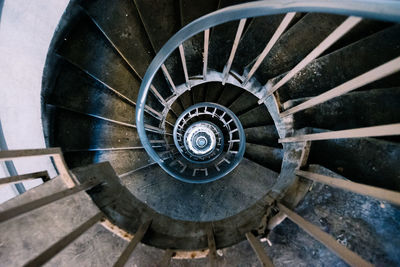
pixel 26 29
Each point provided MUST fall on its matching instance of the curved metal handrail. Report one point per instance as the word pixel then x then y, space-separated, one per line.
pixel 382 10
pixel 241 148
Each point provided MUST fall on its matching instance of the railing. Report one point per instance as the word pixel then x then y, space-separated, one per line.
pixel 212 122
pixel 388 11
pixel 54 153
pixel 69 180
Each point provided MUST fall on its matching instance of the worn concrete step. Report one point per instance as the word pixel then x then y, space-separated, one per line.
pixel 75 131
pixel 194 47
pixel 326 72
pixel 221 39
pixel 266 156
pixel 296 43
pixel 122 161
pixel 160 26
pixel 121 22
pixel 360 223
pixel 99 247
pixel 89 96
pixel 363 29
pixel 353 110
pixel 26 236
pixel 85 45
pixel 225 197
pixel 263 135
pixel 229 95
pixel 213 91
pixel 258 116
pixel 243 103
pixel 365 160
pixel 192 9
pixel 171 117
pixel 199 93
pixel 186 99
pixel 252 42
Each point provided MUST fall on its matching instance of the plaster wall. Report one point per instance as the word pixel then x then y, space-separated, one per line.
pixel 26 29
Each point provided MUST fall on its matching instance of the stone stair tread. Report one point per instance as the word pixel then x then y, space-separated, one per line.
pixel 266 156
pixel 263 135
pixel 77 131
pixel 353 110
pixel 322 74
pixel 258 116
pixel 49 223
pixel 213 91
pixel 201 202
pixel 364 160
pixel 122 161
pixel 115 72
pixel 296 43
pixel 243 103
pixel 123 26
pixel 229 95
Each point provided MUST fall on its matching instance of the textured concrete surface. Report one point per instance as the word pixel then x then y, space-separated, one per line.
pixel 369 227
pixel 223 198
pixel 24 237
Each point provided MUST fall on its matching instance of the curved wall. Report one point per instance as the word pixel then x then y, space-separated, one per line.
pixel 26 30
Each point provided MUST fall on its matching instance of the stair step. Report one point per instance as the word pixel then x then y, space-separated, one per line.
pixel 363 160
pixel 171 117
pixel 75 131
pixel 263 135
pixel 186 99
pixel 296 43
pixel 266 156
pixel 89 96
pixel 166 20
pixel 201 202
pixel 353 110
pixel 221 39
pixel 177 107
pixel 191 10
pixel 355 221
pixel 258 116
pixel 243 103
pixel 193 49
pixel 252 42
pixel 199 93
pixel 229 94
pixel 85 45
pixel 213 91
pixel 122 24
pixel 323 73
pixel 44 226
pixel 168 23
pixel 363 29
pixel 96 247
pixel 121 160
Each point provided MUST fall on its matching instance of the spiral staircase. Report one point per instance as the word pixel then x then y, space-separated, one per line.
pixel 191 141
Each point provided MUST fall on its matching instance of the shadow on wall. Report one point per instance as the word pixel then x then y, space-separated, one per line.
pixel 1 8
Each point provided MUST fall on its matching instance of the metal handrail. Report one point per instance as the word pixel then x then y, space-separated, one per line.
pixel 382 10
pixel 54 153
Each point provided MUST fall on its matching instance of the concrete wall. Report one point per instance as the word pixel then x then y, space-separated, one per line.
pixel 26 29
